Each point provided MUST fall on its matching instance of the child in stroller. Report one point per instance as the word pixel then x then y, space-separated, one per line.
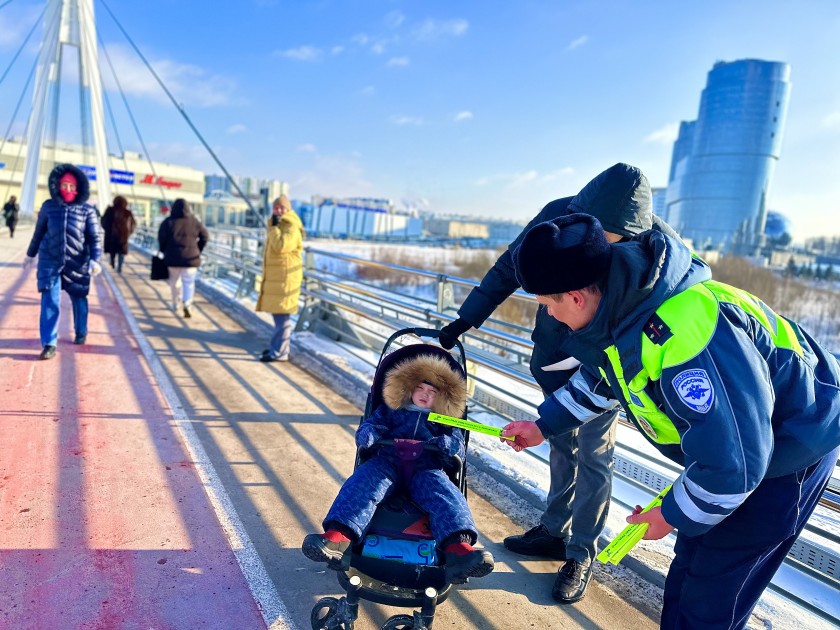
pixel 412 388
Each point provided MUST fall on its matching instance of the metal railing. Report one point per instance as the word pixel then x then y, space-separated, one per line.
pixel 339 302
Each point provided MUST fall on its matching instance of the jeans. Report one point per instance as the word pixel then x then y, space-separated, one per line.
pixel 182 286
pixel 120 258
pixel 280 340
pixel 50 309
pixel 716 578
pixel 578 499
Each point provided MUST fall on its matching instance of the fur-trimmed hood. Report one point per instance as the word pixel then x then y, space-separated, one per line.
pixel 82 184
pixel 406 375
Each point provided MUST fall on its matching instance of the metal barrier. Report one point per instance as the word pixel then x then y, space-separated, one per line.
pixel 338 303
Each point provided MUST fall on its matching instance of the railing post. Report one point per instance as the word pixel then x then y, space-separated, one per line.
pixel 445 294
pixel 307 314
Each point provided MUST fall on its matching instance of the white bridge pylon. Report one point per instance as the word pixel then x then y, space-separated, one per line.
pixel 67 23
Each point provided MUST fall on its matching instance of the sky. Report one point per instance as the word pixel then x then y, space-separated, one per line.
pixel 487 108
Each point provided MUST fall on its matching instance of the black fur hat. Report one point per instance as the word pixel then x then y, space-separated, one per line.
pixel 567 254
pixel 82 184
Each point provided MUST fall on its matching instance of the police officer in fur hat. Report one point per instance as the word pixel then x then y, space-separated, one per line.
pixel 746 400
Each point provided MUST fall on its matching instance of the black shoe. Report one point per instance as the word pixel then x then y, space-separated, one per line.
pixel 266 352
pixel 187 313
pixel 319 549
pixel 571 582
pixel 80 339
pixel 537 542
pixel 47 353
pixel 475 564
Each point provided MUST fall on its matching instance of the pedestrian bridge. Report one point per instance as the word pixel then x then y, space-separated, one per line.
pixel 161 477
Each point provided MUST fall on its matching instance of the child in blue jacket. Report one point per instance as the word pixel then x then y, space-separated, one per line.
pixel 412 389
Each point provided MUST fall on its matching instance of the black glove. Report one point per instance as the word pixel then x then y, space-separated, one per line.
pixel 453 330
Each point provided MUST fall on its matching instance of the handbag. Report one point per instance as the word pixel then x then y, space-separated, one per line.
pixel 159 269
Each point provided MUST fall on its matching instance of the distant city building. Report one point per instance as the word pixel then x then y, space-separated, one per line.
pixel 357 218
pixel 457 228
pixel 723 162
pixel 658 200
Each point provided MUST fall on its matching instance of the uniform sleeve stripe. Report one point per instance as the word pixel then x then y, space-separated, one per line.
pixel 690 509
pixel 580 385
pixel 728 501
pixel 580 412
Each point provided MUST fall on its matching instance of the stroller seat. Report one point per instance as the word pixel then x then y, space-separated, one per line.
pixel 383 580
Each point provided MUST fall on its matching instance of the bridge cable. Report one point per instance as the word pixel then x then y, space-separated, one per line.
pixel 23 45
pixel 134 124
pixel 180 108
pixel 12 122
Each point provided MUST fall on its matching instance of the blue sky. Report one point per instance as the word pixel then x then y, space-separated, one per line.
pixel 487 108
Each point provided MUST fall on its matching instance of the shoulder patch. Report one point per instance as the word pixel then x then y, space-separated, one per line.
pixel 657 330
pixel 695 389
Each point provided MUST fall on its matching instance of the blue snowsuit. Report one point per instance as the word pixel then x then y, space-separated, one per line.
pixel 429 486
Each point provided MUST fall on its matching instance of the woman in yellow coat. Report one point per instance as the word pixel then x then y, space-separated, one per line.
pixel 282 276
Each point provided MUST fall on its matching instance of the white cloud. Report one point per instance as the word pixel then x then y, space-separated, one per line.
pixel 577 43
pixel 301 53
pixel 333 175
pixel 191 85
pixel 465 115
pixel 194 155
pixel 237 128
pixel 307 148
pixel 394 19
pixel 666 134
pixel 16 23
pixel 434 29
pixel 337 50
pixel 406 120
pixel 527 178
pixel 398 62
pixel 378 48
pixel 361 39
pixel 368 90
pixel 832 121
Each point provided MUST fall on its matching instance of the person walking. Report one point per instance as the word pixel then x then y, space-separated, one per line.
pixel 580 461
pixel 66 242
pixel 182 238
pixel 118 224
pixel 10 214
pixel 282 276
pixel 744 399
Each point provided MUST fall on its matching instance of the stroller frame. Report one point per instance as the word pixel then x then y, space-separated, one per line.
pixel 405 585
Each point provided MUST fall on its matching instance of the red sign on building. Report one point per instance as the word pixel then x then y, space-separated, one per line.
pixel 160 181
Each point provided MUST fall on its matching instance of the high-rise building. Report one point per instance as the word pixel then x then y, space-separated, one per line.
pixel 658 202
pixel 723 162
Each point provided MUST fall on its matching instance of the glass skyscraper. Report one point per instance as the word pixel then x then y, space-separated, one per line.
pixel 723 162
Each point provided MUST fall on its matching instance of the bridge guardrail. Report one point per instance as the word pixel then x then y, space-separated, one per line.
pixel 339 304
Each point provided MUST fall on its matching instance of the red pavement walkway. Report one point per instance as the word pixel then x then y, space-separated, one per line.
pixel 103 519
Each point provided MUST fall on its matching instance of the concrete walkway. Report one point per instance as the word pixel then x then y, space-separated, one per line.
pixel 111 464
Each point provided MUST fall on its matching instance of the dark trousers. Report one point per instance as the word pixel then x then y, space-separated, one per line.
pixel 716 579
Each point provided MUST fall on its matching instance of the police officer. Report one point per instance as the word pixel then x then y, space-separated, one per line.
pixel 743 398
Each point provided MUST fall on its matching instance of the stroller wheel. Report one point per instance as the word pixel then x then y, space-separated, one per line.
pixel 400 622
pixel 327 615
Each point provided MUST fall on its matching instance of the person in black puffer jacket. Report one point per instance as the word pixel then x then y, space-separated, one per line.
pixel 181 238
pixel 66 242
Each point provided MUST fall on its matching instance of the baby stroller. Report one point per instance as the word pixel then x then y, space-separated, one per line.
pixel 386 581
